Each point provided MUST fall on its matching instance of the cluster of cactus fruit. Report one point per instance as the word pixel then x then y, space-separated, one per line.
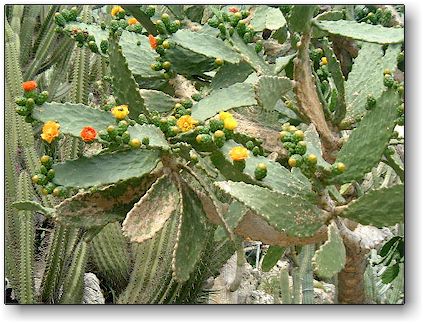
pixel 166 162
pixel 373 15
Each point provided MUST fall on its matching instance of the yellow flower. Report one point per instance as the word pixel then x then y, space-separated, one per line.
pixel 230 123
pixel 324 61
pixel 50 131
pixel 223 115
pixel 132 21
pixel 239 153
pixel 116 10
pixel 186 123
pixel 120 112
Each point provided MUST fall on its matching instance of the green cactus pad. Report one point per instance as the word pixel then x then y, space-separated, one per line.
pixel 149 215
pixel 138 57
pixel 313 145
pixel 99 207
pixel 233 216
pixel 123 82
pixel 250 56
pixel 187 62
pixel 106 168
pixel 266 17
pixel 366 77
pixel 330 258
pixel 192 229
pixel 31 205
pixel 367 142
pixel 339 82
pixel 206 45
pixel 157 100
pixel 73 117
pixel 269 89
pixel 235 96
pixel 155 135
pixel 282 61
pixel 300 17
pixel 362 31
pixel 272 256
pixel 230 74
pixel 290 214
pixel 383 207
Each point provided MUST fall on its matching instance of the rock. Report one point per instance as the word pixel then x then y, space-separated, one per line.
pixel 259 297
pixel 92 292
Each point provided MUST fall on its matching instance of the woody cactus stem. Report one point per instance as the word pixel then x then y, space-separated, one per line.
pixel 308 100
pixel 351 285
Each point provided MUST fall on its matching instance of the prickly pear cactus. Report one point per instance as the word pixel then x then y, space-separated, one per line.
pixel 180 148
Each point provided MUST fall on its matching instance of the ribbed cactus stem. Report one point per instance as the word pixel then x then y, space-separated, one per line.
pixel 73 285
pixel 307 275
pixel 286 297
pixel 26 248
pixel 110 255
pixel 297 286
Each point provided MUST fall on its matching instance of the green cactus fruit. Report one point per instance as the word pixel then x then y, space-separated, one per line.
pixel 160 50
pixel 371 102
pixel 298 135
pixel 123 23
pixel 202 130
pixel 258 46
pixel 229 134
pixel 59 19
pixel 260 171
pixel 174 26
pixel 338 168
pixel 21 101
pixel 41 179
pixel 23 111
pixel 60 191
pixel 196 96
pixel 173 131
pixel 239 164
pixel 157 66
pixel 285 126
pixel 122 127
pixel 311 159
pixel 104 136
pixel 222 29
pixel 219 138
pixel 300 148
pixel 216 124
pixel 166 65
pixel 219 61
pixel 112 131
pixel 389 151
pixel 213 22
pixel 42 98
pixel 135 143
pixel 93 47
pixel 104 45
pixel 244 14
pixel 30 103
pixel 295 160
pixel 204 139
pixel 160 27
pixel 250 145
pixel 172 121
pixel 389 81
pixel 43 170
pixel 114 25
pixel 50 174
pixel 256 151
pixel 47 161
pixel 241 27
pixel 165 19
pixel 166 44
pixel 187 103
pixel 126 137
pixel 193 157
pixel 248 38
pixel 150 11
pixel 73 14
pixel 145 141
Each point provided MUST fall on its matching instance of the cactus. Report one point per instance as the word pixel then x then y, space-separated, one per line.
pixel 188 177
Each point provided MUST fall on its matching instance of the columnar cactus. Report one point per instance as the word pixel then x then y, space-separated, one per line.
pixel 168 164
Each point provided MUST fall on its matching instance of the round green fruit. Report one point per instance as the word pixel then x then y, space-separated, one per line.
pixel 295 160
pixel 219 61
pixel 145 141
pixel 135 143
pixel 312 159
pixel 47 161
pixel 260 171
pixel 250 145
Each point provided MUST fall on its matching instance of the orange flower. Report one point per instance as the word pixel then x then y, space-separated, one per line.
pixel 152 41
pixel 88 134
pixel 115 10
pixel 233 9
pixel 29 85
pixel 132 21
pixel 50 131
